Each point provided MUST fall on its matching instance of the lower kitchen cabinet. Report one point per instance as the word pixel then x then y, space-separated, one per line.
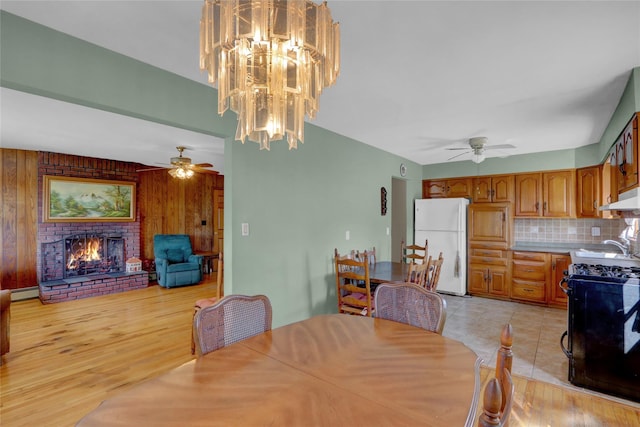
pixel 488 281
pixel 488 269
pixel 529 272
pixel 559 265
pixel 528 277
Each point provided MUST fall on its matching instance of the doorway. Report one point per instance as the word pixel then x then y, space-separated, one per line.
pixel 398 217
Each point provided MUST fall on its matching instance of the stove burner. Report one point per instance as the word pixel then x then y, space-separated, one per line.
pixel 606 271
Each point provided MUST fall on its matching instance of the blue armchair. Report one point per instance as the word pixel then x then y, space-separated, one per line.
pixel 176 265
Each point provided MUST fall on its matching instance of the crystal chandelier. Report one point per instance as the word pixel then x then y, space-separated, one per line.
pixel 271 59
pixel 181 172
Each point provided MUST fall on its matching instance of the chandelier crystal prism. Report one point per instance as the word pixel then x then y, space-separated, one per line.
pixel 270 59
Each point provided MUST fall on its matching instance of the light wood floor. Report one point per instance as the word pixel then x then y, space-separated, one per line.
pixel 68 357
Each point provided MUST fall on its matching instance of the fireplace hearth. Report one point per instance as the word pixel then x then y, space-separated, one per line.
pixel 86 264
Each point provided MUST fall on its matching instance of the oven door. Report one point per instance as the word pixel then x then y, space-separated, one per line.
pixel 604 348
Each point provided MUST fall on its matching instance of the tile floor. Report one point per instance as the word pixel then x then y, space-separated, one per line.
pixel 477 322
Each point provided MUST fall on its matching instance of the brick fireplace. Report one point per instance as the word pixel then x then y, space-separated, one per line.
pixel 84 259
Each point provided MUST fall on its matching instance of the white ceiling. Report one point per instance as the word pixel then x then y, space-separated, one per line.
pixel 416 77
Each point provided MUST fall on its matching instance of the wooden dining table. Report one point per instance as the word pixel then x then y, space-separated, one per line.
pixel 328 370
pixel 388 271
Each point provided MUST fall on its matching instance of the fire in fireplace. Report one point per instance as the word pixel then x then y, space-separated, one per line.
pixel 83 254
pixel 92 254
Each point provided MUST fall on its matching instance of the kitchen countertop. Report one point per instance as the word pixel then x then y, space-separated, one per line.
pixel 561 247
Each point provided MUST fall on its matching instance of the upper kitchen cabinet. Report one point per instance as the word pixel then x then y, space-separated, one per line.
pixel 589 198
pixel 490 223
pixel 455 187
pixel 497 188
pixel 546 194
pixel 626 156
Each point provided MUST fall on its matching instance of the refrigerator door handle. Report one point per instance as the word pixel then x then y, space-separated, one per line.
pixel 456 267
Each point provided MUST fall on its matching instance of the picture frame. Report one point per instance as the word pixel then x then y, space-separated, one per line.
pixel 68 199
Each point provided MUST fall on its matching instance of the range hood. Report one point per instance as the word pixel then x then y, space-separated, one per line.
pixel 627 201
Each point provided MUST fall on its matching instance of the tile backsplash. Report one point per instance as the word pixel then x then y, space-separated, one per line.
pixel 567 230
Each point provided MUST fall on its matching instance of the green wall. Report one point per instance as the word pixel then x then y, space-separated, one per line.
pixel 298 203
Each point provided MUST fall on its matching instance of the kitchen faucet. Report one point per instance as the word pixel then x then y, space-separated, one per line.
pixel 624 247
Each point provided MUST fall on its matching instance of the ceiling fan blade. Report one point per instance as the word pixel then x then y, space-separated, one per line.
pixel 207 171
pixel 203 165
pixel 499 146
pixel 458 155
pixel 457 148
pixel 150 169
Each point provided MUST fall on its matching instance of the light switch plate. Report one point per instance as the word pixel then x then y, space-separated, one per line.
pixel 595 231
pixel 245 228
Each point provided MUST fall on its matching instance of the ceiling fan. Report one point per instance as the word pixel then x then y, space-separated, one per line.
pixel 478 146
pixel 181 167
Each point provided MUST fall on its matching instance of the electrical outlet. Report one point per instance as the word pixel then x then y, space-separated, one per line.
pixel 595 231
pixel 347 235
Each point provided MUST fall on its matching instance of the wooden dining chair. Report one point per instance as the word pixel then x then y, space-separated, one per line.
pixel 232 319
pixel 433 273
pixel 499 391
pixel 353 288
pixel 418 273
pixel 411 304
pixel 370 253
pixel 415 254
pixel 206 302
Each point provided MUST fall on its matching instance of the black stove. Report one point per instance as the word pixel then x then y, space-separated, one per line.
pixel 597 270
pixel 603 328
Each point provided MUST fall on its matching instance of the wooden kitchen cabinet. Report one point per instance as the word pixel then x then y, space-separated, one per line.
pixel 529 272
pixel 528 194
pixel 626 154
pixel 488 281
pixel 489 240
pixel 559 265
pixel 489 223
pixel 545 194
pixel 434 189
pixel 589 193
pixel 497 188
pixel 488 269
pixel 455 187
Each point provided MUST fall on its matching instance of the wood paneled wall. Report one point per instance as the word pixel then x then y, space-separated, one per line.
pixel 173 206
pixel 166 205
pixel 19 222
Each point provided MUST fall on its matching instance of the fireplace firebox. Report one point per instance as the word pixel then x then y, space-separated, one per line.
pixel 83 255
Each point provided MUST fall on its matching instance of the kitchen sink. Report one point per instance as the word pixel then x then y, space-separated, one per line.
pixel 584 256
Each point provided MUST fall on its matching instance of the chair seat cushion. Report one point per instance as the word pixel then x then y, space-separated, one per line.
pixel 183 266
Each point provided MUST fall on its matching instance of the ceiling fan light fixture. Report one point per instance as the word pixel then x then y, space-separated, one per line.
pixel 271 59
pixel 478 157
pixel 181 172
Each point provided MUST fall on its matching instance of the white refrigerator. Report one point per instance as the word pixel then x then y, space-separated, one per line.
pixel 443 223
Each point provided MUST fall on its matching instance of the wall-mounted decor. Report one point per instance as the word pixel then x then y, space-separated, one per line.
pixel 87 200
pixel 383 201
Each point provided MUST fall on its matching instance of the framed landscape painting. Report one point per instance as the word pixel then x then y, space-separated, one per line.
pixel 89 200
